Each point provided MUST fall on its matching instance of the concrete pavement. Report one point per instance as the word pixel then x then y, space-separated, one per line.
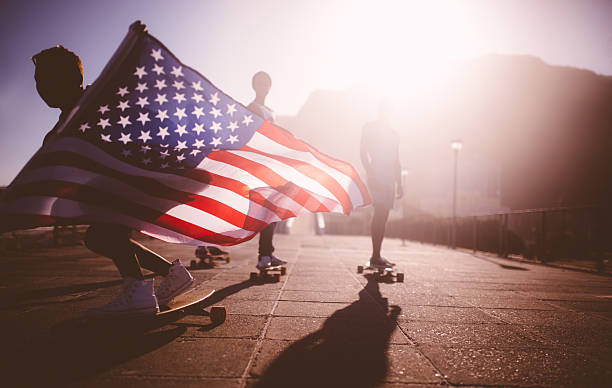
pixel 458 319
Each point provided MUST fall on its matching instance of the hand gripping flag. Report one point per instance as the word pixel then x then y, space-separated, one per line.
pixel 155 146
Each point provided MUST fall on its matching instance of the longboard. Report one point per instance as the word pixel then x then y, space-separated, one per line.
pixel 191 300
pixel 382 271
pixel 275 272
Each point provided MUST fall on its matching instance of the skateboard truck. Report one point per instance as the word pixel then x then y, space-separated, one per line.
pixel 382 272
pixel 275 272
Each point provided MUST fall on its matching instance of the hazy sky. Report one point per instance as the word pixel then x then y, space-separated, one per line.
pixel 304 45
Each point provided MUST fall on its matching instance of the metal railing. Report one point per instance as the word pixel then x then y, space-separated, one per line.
pixel 575 233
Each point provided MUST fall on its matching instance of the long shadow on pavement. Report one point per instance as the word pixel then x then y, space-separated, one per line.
pixel 348 351
pixel 79 349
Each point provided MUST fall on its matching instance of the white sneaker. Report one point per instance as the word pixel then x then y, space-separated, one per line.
pixel 175 283
pixel 264 262
pixel 275 261
pixel 137 298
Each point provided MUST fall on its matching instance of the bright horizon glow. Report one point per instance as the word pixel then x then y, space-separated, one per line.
pixel 435 36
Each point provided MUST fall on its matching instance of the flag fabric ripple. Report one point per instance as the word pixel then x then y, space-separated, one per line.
pixel 155 146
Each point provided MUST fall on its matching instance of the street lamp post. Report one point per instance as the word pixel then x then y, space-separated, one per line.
pixel 456 145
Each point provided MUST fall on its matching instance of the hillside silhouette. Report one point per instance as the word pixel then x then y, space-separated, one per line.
pixel 535 135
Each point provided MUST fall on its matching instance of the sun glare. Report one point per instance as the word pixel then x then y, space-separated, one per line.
pixel 401 47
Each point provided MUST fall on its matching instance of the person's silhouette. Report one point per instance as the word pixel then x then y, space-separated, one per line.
pixel 380 158
pixel 59 82
pixel 261 84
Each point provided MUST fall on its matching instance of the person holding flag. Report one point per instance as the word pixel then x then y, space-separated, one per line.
pixel 59 82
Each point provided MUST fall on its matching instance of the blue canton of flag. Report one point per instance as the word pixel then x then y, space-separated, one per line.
pixel 160 115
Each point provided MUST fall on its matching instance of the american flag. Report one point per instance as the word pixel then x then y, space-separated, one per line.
pixel 155 146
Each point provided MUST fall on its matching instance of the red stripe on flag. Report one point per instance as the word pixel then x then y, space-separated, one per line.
pixel 154 188
pixel 268 176
pixel 91 196
pixel 287 139
pixel 314 173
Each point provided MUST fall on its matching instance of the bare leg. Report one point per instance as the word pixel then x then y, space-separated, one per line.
pixel 379 221
pixel 114 241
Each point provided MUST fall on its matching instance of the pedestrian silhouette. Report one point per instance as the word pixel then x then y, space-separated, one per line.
pixel 262 83
pixel 380 158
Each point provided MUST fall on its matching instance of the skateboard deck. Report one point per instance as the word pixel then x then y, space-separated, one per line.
pixel 275 272
pixel 382 271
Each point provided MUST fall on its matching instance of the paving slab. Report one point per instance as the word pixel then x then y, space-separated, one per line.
pixel 457 320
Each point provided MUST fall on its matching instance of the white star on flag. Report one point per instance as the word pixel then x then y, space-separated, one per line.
pixel 197 97
pixel 215 126
pixel 141 87
pixel 164 154
pixel 156 54
pixel 160 84
pixel 161 98
pixel 125 138
pixel 180 129
pixel 177 72
pixel 232 139
pixel 140 72
pixel 142 101
pixel 197 86
pixel 163 132
pixel 214 98
pixel 216 112
pixel 104 123
pixel 162 115
pixel 178 85
pixel 231 109
pixel 179 97
pixel 145 136
pixel 232 126
pixel 216 141
pixel 248 119
pixel 158 69
pixel 106 138
pixel 103 109
pixel 198 128
pixel 123 91
pixel 143 117
pixel 180 113
pixel 197 111
pixel 84 127
pixel 124 121
pixel 198 143
pixel 181 145
pixel 123 105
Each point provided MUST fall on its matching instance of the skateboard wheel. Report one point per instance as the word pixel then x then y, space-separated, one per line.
pixel 277 277
pixel 360 269
pixel 228 259
pixel 400 277
pixel 193 264
pixel 218 314
pixel 283 270
pixel 253 275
